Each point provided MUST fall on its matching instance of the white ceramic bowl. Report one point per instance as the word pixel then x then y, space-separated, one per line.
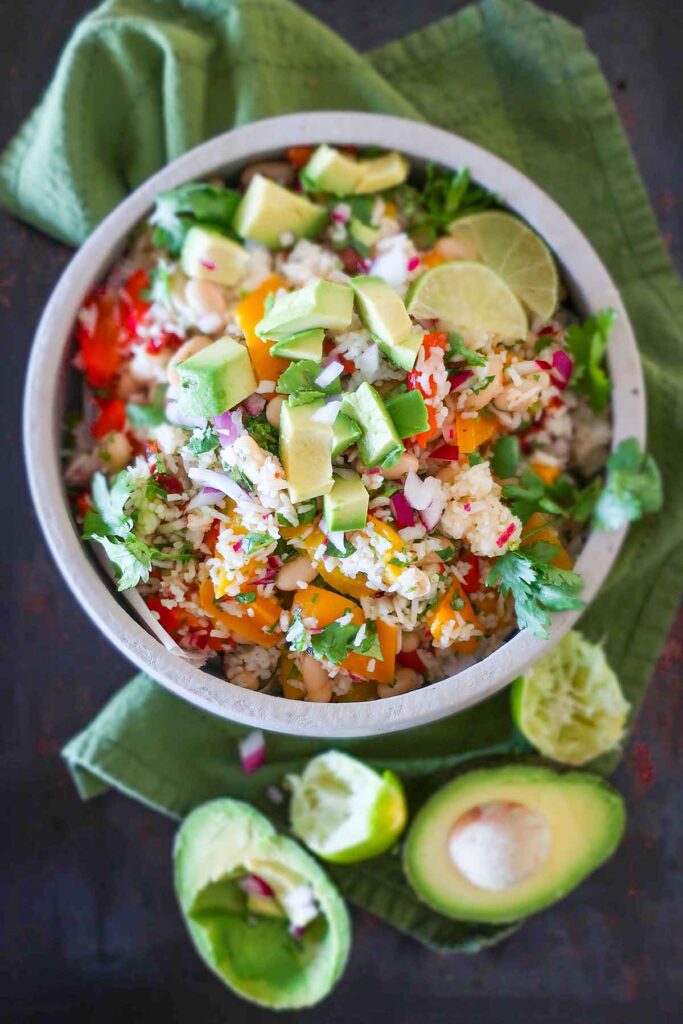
pixel 591 288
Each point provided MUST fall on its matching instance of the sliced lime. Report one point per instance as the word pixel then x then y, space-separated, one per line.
pixel 344 811
pixel 516 253
pixel 569 705
pixel 465 295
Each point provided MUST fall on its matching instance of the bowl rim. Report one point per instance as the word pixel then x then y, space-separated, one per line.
pixel 226 153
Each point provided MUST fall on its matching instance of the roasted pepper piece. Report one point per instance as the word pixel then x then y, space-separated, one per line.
pixel 248 314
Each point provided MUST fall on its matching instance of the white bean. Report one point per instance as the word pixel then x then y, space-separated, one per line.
pixel 316 680
pixel 454 249
pixel 399 640
pixel 114 451
pixel 477 400
pixel 245 678
pixel 187 349
pixel 411 642
pixel 406 464
pixel 296 569
pixel 406 680
pixel 205 299
pixel 273 410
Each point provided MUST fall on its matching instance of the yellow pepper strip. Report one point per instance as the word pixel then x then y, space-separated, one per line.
pixel 444 613
pixel 390 209
pixel 325 607
pixel 288 671
pixel 246 627
pixel 335 578
pixel 548 474
pixel 472 433
pixel 248 314
pixel 536 529
pixel 397 547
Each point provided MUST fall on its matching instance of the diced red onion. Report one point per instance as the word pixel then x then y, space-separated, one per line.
pixel 329 374
pixel 228 426
pixel 297 931
pixel 458 379
pixel 543 364
pixel 221 481
pixel 413 263
pixel 264 580
pixel 254 885
pixel 545 331
pixel 505 535
pixel 207 496
pixel 446 453
pixel 431 516
pixel 368 362
pixel 467 506
pixel 252 751
pixel 563 367
pixel 254 404
pixel 174 415
pixel 326 413
pixel 403 513
pixel 420 493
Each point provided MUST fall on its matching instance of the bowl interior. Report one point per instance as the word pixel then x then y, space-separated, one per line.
pixel 51 382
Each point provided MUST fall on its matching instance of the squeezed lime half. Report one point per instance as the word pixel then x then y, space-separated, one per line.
pixel 569 705
pixel 344 811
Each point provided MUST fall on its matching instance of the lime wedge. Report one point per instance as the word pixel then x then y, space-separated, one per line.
pixel 344 811
pixel 507 245
pixel 468 296
pixel 569 705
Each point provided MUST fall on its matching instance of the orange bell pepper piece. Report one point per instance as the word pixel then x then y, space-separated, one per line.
pixel 299 156
pixel 445 613
pixel 536 528
pixel 353 586
pixel 246 627
pixel 472 433
pixel 548 474
pixel 366 690
pixel 288 671
pixel 389 534
pixel 325 607
pixel 248 314
pixel 431 259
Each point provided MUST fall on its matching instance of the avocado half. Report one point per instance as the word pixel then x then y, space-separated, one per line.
pixel 257 955
pixel 500 843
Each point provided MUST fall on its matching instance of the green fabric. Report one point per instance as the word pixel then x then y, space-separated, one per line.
pixel 140 82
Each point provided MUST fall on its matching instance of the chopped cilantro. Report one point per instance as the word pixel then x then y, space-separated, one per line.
pixel 151 415
pixel 445 195
pixel 334 641
pixel 537 587
pixel 457 603
pixel 263 432
pixel 255 541
pixel 370 645
pixel 505 457
pixel 177 211
pixel 153 489
pixel 247 597
pixel 458 351
pixel 481 384
pixel 296 634
pixel 587 343
pixel 332 551
pixel 239 477
pixel 446 553
pixel 307 515
pixel 633 488
pixel 205 440
pixel 529 496
pixel 475 459
pixel 298 381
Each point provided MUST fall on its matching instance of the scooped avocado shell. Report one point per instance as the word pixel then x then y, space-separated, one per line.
pixel 221 843
pixel 499 843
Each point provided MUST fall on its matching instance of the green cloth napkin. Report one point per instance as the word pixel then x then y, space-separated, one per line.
pixel 143 80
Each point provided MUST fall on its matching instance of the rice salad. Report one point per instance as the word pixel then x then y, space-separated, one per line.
pixel 339 431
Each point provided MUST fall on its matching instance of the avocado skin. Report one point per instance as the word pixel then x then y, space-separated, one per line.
pixel 604 801
pixel 214 842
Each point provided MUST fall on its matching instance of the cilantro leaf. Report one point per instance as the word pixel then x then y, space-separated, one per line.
pixel 587 343
pixel 633 488
pixel 537 587
pixel 332 551
pixel 109 515
pixel 334 641
pixel 458 352
pixel 255 541
pixel 298 381
pixel 530 496
pixel 264 433
pixel 150 415
pixel 205 440
pixel 296 634
pixel 370 645
pixel 132 560
pixel 444 196
pixel 246 597
pixel 177 211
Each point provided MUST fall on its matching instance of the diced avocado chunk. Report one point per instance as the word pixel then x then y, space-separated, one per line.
pixel 318 304
pixel 328 170
pixel 304 345
pixel 379 442
pixel 499 843
pixel 210 256
pixel 305 451
pixel 267 211
pixel 408 412
pixel 346 506
pixel 219 846
pixel 215 379
pixel 345 432
pixel 363 233
pixel 383 313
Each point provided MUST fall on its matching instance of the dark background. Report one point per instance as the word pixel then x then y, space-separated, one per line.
pixel 91 930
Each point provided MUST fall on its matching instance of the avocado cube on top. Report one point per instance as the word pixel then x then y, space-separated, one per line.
pixel 318 304
pixel 210 256
pixel 215 379
pixel 328 170
pixel 267 213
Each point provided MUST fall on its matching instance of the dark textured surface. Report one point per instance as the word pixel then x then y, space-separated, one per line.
pixel 89 922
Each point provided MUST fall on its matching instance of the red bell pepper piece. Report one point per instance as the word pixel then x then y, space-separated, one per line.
pixel 112 416
pixel 98 333
pixel 472 581
pixel 168 617
pixel 411 659
pixel 135 307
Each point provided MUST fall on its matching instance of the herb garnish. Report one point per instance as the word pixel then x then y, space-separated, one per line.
pixel 587 343
pixel 537 586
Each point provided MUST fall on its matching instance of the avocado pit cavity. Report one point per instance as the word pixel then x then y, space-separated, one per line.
pixel 500 844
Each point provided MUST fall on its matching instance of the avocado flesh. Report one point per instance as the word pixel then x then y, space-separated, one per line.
pixel 383 313
pixel 379 441
pixel 345 432
pixel 584 815
pixel 346 505
pixel 329 170
pixel 318 304
pixel 215 379
pixel 305 451
pixel 304 345
pixel 217 845
pixel 267 211
pixel 209 256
